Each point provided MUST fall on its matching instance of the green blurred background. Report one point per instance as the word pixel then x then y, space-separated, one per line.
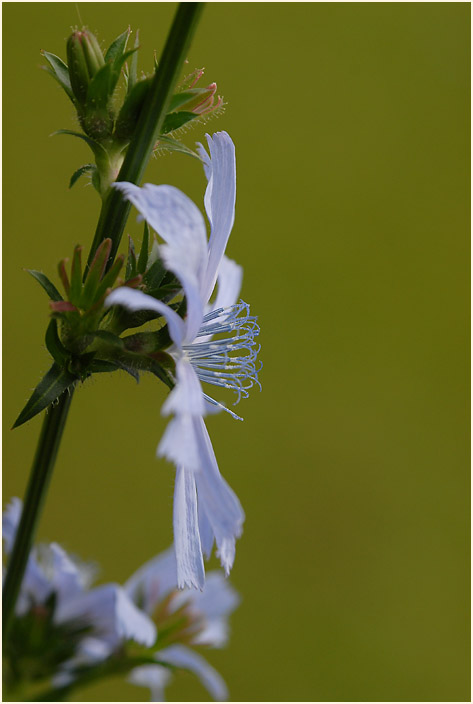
pixel 351 124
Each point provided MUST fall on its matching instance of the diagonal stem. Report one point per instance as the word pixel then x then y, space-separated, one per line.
pixel 41 471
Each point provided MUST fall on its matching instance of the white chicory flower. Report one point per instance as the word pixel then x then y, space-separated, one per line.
pixel 205 507
pixel 107 609
pixel 154 584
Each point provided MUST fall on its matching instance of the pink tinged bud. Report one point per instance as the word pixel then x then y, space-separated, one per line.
pixel 62 307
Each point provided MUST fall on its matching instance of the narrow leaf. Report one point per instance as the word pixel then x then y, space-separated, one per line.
pixel 143 258
pixel 118 46
pixel 186 96
pixel 43 280
pixel 173 145
pixel 132 76
pixel 59 71
pixel 110 277
pixel 95 273
pixel 54 344
pixel 109 338
pixel 82 170
pixel 55 383
pixel 175 120
pixel 76 276
pixel 131 269
pixel 154 275
pixel 95 146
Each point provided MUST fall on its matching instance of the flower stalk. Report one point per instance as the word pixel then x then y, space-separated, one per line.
pixel 111 224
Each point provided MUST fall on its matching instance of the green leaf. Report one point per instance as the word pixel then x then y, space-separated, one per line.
pixel 131 109
pixel 99 89
pixel 173 145
pixel 118 46
pixel 143 258
pixel 109 278
pixel 131 263
pixel 54 384
pixel 154 275
pixel 54 344
pixel 58 70
pixel 175 120
pixel 43 280
pixel 82 170
pixel 132 76
pixel 109 338
pixel 95 146
pixel 179 99
pixel 98 366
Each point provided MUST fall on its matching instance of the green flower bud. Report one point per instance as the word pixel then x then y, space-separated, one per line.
pixel 85 58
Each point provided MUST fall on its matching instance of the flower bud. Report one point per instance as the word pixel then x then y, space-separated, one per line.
pixel 85 58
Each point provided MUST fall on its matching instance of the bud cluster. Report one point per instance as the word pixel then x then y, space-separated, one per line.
pixel 91 78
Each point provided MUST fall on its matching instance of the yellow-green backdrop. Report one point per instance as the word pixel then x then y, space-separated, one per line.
pixel 351 125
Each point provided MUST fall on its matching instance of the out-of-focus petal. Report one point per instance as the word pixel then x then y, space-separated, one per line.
pixel 180 656
pixel 156 578
pixel 156 677
pixel 218 599
pixel 66 580
pixel 10 520
pixel 206 533
pixel 190 565
pixel 219 203
pixel 186 396
pixel 112 614
pixel 135 300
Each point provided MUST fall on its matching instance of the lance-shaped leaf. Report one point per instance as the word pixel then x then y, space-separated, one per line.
pixel 109 278
pixel 43 280
pixel 190 98
pixel 95 273
pixel 82 170
pixel 166 143
pixel 175 120
pixel 118 46
pixel 55 383
pixel 133 72
pixel 58 70
pixel 131 109
pixel 95 146
pixel 131 263
pixel 143 258
pixel 54 344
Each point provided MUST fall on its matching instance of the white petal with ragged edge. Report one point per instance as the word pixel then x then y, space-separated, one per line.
pixel 174 217
pixel 156 578
pixel 156 677
pixel 67 579
pixel 217 500
pixel 206 533
pixel 135 300
pixel 186 396
pixel 112 614
pixel 190 565
pixel 220 204
pixel 180 444
pixel 180 656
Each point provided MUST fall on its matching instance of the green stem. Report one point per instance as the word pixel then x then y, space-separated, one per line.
pixel 41 471
pixel 115 209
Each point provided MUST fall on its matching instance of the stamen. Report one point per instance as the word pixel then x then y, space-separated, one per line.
pixel 217 362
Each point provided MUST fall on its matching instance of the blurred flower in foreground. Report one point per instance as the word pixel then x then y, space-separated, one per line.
pixel 182 617
pixel 68 634
pixel 205 507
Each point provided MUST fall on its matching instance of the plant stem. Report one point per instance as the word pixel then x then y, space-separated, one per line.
pixel 115 209
pixel 111 224
pixel 41 471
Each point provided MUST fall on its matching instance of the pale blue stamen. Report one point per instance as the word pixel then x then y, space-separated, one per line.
pixel 215 361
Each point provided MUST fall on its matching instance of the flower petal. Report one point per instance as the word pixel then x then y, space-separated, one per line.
pixel 180 443
pixel 230 275
pixel 156 578
pixel 217 500
pixel 186 396
pixel 10 520
pixel 112 614
pixel 135 300
pixel 180 656
pixel 156 677
pixel 190 565
pixel 219 203
pixel 67 579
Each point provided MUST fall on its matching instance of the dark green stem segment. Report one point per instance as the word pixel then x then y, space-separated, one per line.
pixel 115 209
pixel 41 471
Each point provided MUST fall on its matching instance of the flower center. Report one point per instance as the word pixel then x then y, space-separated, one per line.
pixel 231 361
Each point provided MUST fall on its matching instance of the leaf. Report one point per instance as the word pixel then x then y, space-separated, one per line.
pixel 175 120
pixel 54 344
pixel 43 280
pixel 54 384
pixel 131 109
pixel 99 89
pixel 143 258
pixel 133 65
pixel 173 145
pixel 82 170
pixel 186 96
pixel 117 47
pixel 95 146
pixel 109 338
pixel 154 275
pixel 130 271
pixel 58 70
pixel 97 366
